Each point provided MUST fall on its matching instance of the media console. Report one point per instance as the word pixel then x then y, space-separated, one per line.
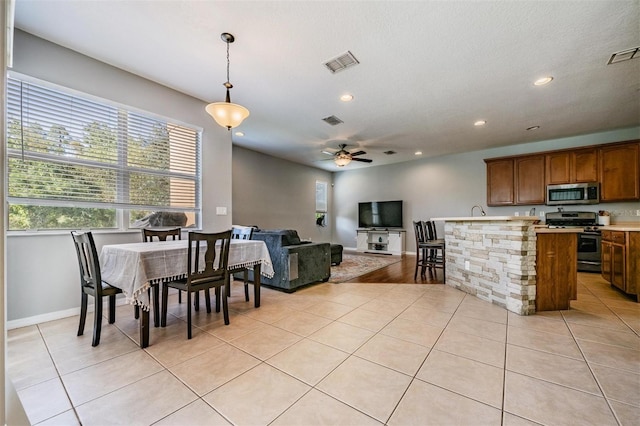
pixel 381 241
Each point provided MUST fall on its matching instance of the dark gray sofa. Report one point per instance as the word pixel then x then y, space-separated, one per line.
pixel 295 263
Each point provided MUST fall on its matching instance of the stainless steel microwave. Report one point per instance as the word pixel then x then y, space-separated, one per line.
pixel 573 193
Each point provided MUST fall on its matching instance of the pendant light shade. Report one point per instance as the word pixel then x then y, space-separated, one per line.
pixel 342 160
pixel 225 113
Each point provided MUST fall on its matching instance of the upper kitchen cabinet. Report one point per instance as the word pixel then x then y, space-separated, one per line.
pixel 529 182
pixel 580 165
pixel 620 172
pixel 500 182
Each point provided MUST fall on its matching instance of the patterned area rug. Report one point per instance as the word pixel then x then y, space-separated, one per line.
pixel 354 265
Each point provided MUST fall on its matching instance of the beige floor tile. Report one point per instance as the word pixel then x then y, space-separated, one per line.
pixel 628 415
pixel 256 397
pixel 627 339
pixel 368 387
pixel 377 305
pixel 302 323
pixel 342 336
pixel 300 302
pixel 538 322
pixel 399 298
pixel 68 418
pixel 399 355
pixel 464 376
pixel 472 347
pixel 425 404
pixel 373 321
pixel 449 305
pixel 124 405
pixel 239 325
pixel 205 372
pixel 269 313
pixel 329 310
pixel 509 419
pixel 75 357
pixel 546 342
pixel 179 349
pixel 595 319
pixel 427 316
pixel 557 369
pixel 316 408
pixel 350 299
pixel 197 413
pixel 477 327
pixel 548 403
pixel 480 309
pixel 413 331
pixel 308 360
pixel 265 342
pixel 30 368
pixel 98 380
pixel 619 385
pixel 611 356
pixel 44 400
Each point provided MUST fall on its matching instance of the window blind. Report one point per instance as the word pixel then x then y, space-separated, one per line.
pixel 65 150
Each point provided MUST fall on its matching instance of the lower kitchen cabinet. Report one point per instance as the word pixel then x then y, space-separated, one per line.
pixel 621 260
pixel 556 270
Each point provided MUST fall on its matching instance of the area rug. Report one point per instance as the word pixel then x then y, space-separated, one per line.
pixel 354 265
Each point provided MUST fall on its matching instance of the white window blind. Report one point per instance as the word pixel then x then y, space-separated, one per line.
pixel 65 150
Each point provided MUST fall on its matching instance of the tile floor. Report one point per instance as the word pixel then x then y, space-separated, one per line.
pixel 352 354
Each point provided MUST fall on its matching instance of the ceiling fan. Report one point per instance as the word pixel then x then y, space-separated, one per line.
pixel 344 157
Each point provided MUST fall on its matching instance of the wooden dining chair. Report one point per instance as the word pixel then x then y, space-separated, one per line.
pixel 421 249
pixel 435 250
pixel 241 233
pixel 149 235
pixel 91 284
pixel 203 273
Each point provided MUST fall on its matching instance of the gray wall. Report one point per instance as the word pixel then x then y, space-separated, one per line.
pixel 447 186
pixel 273 193
pixel 41 267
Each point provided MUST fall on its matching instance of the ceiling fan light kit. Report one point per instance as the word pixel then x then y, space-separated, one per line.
pixel 344 157
pixel 227 114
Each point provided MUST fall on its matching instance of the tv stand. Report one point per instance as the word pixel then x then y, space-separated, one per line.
pixel 381 241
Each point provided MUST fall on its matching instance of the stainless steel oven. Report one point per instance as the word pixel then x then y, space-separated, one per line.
pixel 589 251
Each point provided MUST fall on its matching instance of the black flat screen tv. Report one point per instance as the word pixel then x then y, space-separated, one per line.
pixel 380 214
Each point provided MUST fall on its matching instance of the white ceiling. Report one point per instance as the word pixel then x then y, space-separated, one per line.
pixel 428 70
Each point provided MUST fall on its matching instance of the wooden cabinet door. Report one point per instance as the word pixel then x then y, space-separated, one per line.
pixel 500 185
pixel 619 173
pixel 558 168
pixel 584 165
pixel 618 266
pixel 530 179
pixel 606 260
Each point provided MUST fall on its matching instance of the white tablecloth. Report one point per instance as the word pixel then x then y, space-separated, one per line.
pixel 134 267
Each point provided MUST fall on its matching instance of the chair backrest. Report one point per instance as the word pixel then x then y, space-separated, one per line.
pixel 149 234
pixel 418 227
pixel 241 232
pixel 216 257
pixel 431 230
pixel 88 261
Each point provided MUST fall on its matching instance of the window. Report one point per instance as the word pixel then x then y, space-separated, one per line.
pixel 321 203
pixel 74 162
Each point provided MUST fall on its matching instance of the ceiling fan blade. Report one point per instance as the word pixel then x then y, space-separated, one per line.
pixel 328 153
pixel 364 160
pixel 353 154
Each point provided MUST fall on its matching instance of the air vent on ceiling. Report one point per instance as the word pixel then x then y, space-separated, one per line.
pixel 624 55
pixel 342 62
pixel 332 120
pixel 390 152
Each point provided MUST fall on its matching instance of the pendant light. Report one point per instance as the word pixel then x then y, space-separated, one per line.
pixel 225 113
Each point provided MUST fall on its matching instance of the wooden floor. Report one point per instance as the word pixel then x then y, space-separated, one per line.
pixel 400 272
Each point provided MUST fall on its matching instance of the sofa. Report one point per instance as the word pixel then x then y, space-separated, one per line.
pixel 295 263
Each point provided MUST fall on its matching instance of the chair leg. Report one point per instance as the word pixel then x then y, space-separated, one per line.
pixel 83 313
pixel 189 314
pixel 196 300
pixel 207 296
pixel 136 312
pixel 225 306
pixel 165 296
pixel 218 291
pixel 246 285
pixel 97 321
pixel 112 309
pixel 156 305
pixel 179 296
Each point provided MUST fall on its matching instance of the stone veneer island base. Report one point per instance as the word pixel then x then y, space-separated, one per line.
pixel 493 258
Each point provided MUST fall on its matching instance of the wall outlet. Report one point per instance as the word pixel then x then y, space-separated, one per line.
pixel 467 265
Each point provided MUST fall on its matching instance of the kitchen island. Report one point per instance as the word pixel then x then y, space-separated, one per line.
pixel 496 257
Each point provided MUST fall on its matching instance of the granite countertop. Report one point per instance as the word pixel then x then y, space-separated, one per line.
pixel 632 227
pixel 546 230
pixel 485 218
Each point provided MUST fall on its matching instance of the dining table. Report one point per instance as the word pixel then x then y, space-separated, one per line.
pixel 136 267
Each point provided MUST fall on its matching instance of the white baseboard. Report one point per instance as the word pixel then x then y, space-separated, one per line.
pixel 52 316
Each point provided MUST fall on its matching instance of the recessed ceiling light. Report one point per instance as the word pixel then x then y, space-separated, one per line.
pixel 533 128
pixel 239 134
pixel 542 81
pixel 480 123
pixel 418 153
pixel 346 98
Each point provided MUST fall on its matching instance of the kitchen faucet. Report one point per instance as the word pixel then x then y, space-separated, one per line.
pixel 482 213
